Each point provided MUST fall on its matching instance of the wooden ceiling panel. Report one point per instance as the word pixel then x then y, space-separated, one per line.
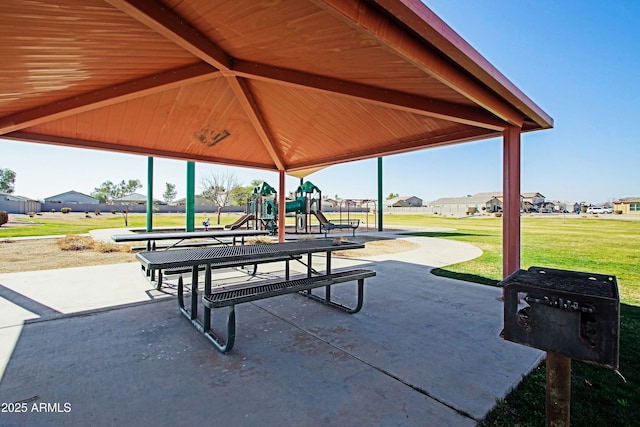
pixel 314 126
pixel 299 35
pixel 53 51
pixel 198 121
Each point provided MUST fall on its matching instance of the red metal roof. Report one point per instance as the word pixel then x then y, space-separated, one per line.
pixel 278 85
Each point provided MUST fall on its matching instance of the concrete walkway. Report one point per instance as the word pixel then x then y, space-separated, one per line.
pixel 99 346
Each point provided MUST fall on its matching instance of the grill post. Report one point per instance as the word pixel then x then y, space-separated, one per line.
pixel 558 406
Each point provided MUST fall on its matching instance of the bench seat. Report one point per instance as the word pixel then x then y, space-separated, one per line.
pixel 225 297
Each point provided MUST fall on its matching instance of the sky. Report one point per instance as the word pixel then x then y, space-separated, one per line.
pixel 576 59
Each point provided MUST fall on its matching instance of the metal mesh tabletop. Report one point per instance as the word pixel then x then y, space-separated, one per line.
pixel 245 253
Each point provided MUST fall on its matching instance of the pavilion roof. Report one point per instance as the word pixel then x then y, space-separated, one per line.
pixel 278 85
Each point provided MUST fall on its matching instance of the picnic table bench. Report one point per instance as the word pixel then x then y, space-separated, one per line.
pixel 229 296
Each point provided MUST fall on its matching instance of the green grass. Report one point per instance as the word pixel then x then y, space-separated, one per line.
pixel 57 223
pixel 599 396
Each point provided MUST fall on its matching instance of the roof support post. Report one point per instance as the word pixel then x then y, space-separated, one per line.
pixel 511 208
pixel 149 193
pixel 191 196
pixel 281 206
pixel 380 201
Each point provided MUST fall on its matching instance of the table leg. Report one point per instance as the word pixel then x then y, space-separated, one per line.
pixel 327 289
pixel 194 292
pixel 207 291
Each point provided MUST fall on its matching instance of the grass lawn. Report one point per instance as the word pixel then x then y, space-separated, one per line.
pixel 58 223
pixel 599 397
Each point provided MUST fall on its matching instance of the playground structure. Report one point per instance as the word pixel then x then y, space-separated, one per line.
pixel 262 210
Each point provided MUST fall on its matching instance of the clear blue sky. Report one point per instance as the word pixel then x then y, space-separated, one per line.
pixel 577 59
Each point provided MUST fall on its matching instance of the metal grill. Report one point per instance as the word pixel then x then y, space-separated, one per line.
pixel 570 313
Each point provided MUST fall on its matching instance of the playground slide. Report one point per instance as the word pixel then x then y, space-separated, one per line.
pixel 241 221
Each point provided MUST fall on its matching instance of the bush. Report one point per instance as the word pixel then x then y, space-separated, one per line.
pixel 4 217
pixel 498 214
pixel 618 212
pixel 75 243
pixel 31 214
pixel 65 210
pixel 97 212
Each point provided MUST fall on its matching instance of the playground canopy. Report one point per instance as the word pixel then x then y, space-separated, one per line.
pixel 277 85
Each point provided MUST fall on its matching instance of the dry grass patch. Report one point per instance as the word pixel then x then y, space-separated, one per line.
pixel 47 254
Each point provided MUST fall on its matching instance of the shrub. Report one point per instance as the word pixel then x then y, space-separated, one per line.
pixel 4 217
pixel 53 211
pixel 618 212
pixel 31 214
pixel 498 214
pixel 75 243
pixel 113 212
pixel 65 210
pixel 97 212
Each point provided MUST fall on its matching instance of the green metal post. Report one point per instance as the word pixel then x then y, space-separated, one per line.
pixel 191 196
pixel 149 193
pixel 380 201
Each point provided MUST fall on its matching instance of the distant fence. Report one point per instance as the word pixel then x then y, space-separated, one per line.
pixel 23 207
pixel 105 208
pixel 20 206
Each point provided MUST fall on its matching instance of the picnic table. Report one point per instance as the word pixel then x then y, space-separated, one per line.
pixel 232 256
pixel 217 235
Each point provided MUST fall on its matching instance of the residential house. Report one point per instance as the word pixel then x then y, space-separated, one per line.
pixel 199 201
pixel 627 205
pixel 468 205
pixel 72 197
pixel 135 199
pixel 404 202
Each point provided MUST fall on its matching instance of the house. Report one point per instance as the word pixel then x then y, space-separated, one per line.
pixel 535 199
pixel 468 205
pixel 627 205
pixel 72 197
pixel 135 199
pixel 200 201
pixel 404 202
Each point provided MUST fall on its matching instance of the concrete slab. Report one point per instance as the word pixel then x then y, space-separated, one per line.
pixel 424 350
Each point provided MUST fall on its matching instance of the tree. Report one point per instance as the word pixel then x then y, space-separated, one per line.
pixel 218 188
pixel 240 195
pixel 7 180
pixel 108 192
pixel 170 193
pixel 392 196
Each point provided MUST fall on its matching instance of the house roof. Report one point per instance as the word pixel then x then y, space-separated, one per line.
pixel 628 200
pixel 401 199
pixel 280 85
pixel 134 197
pixel 71 192
pixel 14 197
pixel 476 198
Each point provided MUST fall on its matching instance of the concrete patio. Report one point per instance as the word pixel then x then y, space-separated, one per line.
pixel 100 346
